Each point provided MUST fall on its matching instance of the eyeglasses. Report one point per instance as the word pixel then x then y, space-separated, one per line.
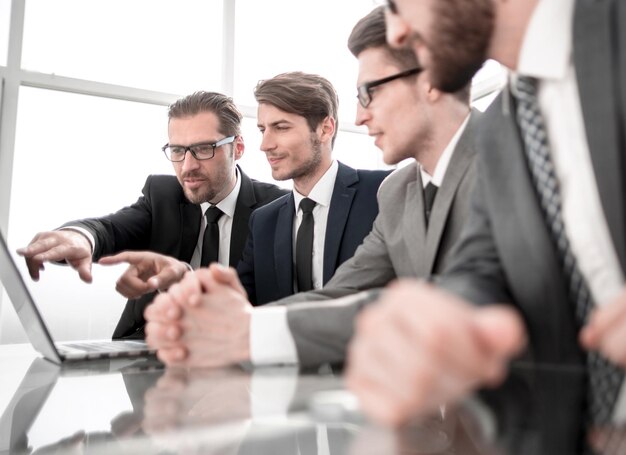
pixel 201 151
pixel 364 91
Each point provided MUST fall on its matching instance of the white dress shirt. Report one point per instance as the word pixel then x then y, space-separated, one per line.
pixel 225 224
pixel 547 55
pixel 444 160
pixel 321 194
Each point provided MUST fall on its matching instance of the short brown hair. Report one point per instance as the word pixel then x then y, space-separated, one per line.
pixel 371 32
pixel 307 95
pixel 221 105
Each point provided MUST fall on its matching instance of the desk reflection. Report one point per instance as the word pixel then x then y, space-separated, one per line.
pixel 139 407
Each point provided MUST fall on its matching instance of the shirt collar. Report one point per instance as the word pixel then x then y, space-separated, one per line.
pixel 228 204
pixel 322 192
pixel 444 159
pixel 547 46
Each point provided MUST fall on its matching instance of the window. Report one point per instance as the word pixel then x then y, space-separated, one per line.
pixel 173 47
pixel 5 16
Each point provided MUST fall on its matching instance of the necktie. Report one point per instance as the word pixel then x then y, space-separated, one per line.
pixel 304 247
pixel 429 199
pixel 211 242
pixel 604 378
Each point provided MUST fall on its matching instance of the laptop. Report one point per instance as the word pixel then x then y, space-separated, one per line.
pixel 38 332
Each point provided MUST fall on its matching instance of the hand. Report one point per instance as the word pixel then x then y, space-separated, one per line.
pixel 606 330
pixel 201 321
pixel 64 245
pixel 196 396
pixel 147 272
pixel 421 347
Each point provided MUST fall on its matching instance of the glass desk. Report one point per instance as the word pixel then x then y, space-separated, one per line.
pixel 137 406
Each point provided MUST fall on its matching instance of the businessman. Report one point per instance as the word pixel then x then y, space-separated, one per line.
pixel 195 218
pixel 546 231
pixel 411 236
pixel 297 242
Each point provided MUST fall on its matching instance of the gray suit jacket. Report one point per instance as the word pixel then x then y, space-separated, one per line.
pixel 398 246
pixel 506 253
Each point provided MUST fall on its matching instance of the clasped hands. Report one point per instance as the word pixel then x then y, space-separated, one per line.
pixel 420 347
pixel 202 321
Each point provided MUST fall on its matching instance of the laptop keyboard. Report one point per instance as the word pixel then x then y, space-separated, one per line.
pixel 106 346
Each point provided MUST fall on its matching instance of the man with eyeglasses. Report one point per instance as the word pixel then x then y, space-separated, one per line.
pixel 540 267
pixel 198 217
pixel 411 237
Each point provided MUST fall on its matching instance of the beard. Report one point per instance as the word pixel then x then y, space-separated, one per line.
pixel 214 184
pixel 460 37
pixel 310 166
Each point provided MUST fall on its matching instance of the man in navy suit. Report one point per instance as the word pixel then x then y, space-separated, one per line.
pixel 297 117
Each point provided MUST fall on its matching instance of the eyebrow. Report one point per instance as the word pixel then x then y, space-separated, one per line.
pixel 277 122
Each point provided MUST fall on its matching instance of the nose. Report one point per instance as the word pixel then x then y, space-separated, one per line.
pixel 398 30
pixel 190 162
pixel 363 115
pixel 267 143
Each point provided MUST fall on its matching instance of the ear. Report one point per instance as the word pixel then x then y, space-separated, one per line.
pixel 327 128
pixel 238 147
pixel 430 92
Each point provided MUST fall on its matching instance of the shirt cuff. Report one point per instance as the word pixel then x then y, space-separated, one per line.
pixel 83 231
pixel 271 341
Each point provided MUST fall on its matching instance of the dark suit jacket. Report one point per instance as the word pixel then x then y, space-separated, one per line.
pixel 266 267
pixel 164 221
pixel 506 253
pixel 398 246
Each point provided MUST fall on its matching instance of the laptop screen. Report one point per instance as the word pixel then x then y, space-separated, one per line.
pixel 23 303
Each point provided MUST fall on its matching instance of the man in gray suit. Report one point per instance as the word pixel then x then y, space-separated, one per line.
pixel 546 233
pixel 409 119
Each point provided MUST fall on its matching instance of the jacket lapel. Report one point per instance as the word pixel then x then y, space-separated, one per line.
pixel 283 246
pixel 339 209
pixel 246 202
pixel 594 59
pixel 459 162
pixel 414 222
pixel 190 215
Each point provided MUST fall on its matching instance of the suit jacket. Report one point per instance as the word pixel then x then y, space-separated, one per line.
pixel 164 221
pixel 398 246
pixel 266 267
pixel 506 254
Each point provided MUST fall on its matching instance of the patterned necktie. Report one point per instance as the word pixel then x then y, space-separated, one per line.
pixel 429 199
pixel 211 242
pixel 304 247
pixel 604 378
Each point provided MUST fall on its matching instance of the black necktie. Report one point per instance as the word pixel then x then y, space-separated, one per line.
pixel 604 378
pixel 304 247
pixel 211 242
pixel 429 199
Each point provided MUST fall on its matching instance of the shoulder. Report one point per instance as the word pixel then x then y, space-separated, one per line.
pixel 273 206
pixel 163 186
pixel 349 176
pixel 399 179
pixel 266 215
pixel 373 176
pixel 268 190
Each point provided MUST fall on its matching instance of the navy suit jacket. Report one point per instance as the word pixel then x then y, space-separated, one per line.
pixel 266 266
